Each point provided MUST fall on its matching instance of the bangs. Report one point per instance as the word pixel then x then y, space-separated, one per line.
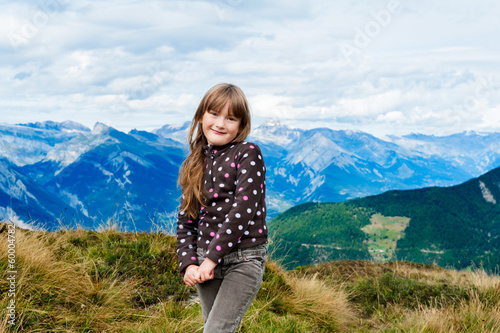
pixel 237 106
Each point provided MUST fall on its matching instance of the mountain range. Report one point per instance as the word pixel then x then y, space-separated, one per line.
pixel 66 174
pixel 456 226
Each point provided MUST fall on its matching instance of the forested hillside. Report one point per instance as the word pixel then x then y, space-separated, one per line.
pixel 456 227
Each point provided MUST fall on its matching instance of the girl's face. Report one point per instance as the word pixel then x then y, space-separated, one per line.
pixel 220 128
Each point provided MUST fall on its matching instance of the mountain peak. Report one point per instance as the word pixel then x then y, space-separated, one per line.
pixel 100 128
pixel 65 126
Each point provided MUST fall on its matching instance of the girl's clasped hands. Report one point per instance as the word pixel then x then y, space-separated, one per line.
pixel 198 274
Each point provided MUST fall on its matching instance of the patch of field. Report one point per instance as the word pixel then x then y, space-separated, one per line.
pixel 383 232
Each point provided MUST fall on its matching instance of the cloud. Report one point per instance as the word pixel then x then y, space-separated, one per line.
pixel 416 67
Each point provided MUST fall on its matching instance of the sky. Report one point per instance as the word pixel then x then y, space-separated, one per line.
pixel 378 66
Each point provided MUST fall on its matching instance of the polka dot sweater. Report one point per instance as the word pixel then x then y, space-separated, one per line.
pixel 234 214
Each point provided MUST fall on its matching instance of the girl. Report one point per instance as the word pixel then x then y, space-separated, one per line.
pixel 221 227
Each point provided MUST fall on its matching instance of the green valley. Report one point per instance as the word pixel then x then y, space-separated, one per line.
pixel 456 226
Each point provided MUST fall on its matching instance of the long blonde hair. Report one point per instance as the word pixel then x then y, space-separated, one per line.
pixel 191 173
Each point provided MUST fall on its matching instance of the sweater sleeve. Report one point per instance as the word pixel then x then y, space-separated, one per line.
pixel 249 190
pixel 187 232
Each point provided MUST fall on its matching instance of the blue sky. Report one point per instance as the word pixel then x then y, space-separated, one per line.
pixel 383 67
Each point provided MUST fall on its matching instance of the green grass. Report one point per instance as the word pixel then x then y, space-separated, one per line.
pixel 108 281
pixel 383 233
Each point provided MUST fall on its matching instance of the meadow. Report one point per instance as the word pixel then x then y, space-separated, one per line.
pixel 112 281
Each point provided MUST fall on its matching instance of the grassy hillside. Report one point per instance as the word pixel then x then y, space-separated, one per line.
pixel 458 226
pixel 86 281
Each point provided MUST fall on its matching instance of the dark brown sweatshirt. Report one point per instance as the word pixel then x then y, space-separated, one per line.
pixel 234 214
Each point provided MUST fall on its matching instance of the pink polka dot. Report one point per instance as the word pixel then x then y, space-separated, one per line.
pixel 211 190
pixel 218 248
pixel 238 165
pixel 240 189
pixel 193 258
pixel 233 165
pixel 260 231
pixel 212 234
pixel 189 221
pixel 215 151
pixel 252 147
pixel 245 198
pixel 235 156
pixel 216 195
pixel 206 167
pixel 261 185
pixel 226 175
pixel 217 236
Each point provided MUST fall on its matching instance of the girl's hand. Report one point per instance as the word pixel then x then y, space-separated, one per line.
pixel 192 275
pixel 206 270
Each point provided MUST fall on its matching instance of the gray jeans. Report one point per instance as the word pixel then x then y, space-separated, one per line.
pixel 237 279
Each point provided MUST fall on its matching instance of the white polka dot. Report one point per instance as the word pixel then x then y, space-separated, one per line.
pixel 227 200
pixel 219 225
pixel 183 240
pixel 230 244
pixel 253 240
pixel 258 213
pixel 201 232
pixel 184 253
pixel 243 171
pixel 221 185
pixel 250 180
pixel 258 173
pixel 246 232
pixel 220 168
pixel 249 210
pixel 227 159
pixel 252 163
pixel 219 209
pixel 237 215
pixel 181 226
pixel 235 204
pixel 207 242
pixel 228 231
pixel 260 157
pixel 254 192
pixel 213 204
pixel 240 227
pixel 189 233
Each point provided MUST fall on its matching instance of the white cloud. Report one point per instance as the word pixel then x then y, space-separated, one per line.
pixel 420 68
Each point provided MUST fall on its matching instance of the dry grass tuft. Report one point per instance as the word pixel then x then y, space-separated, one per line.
pixel 313 298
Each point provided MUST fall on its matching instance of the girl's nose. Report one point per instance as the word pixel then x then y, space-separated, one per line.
pixel 219 122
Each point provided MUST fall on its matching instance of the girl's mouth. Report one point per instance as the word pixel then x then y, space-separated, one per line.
pixel 217 132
